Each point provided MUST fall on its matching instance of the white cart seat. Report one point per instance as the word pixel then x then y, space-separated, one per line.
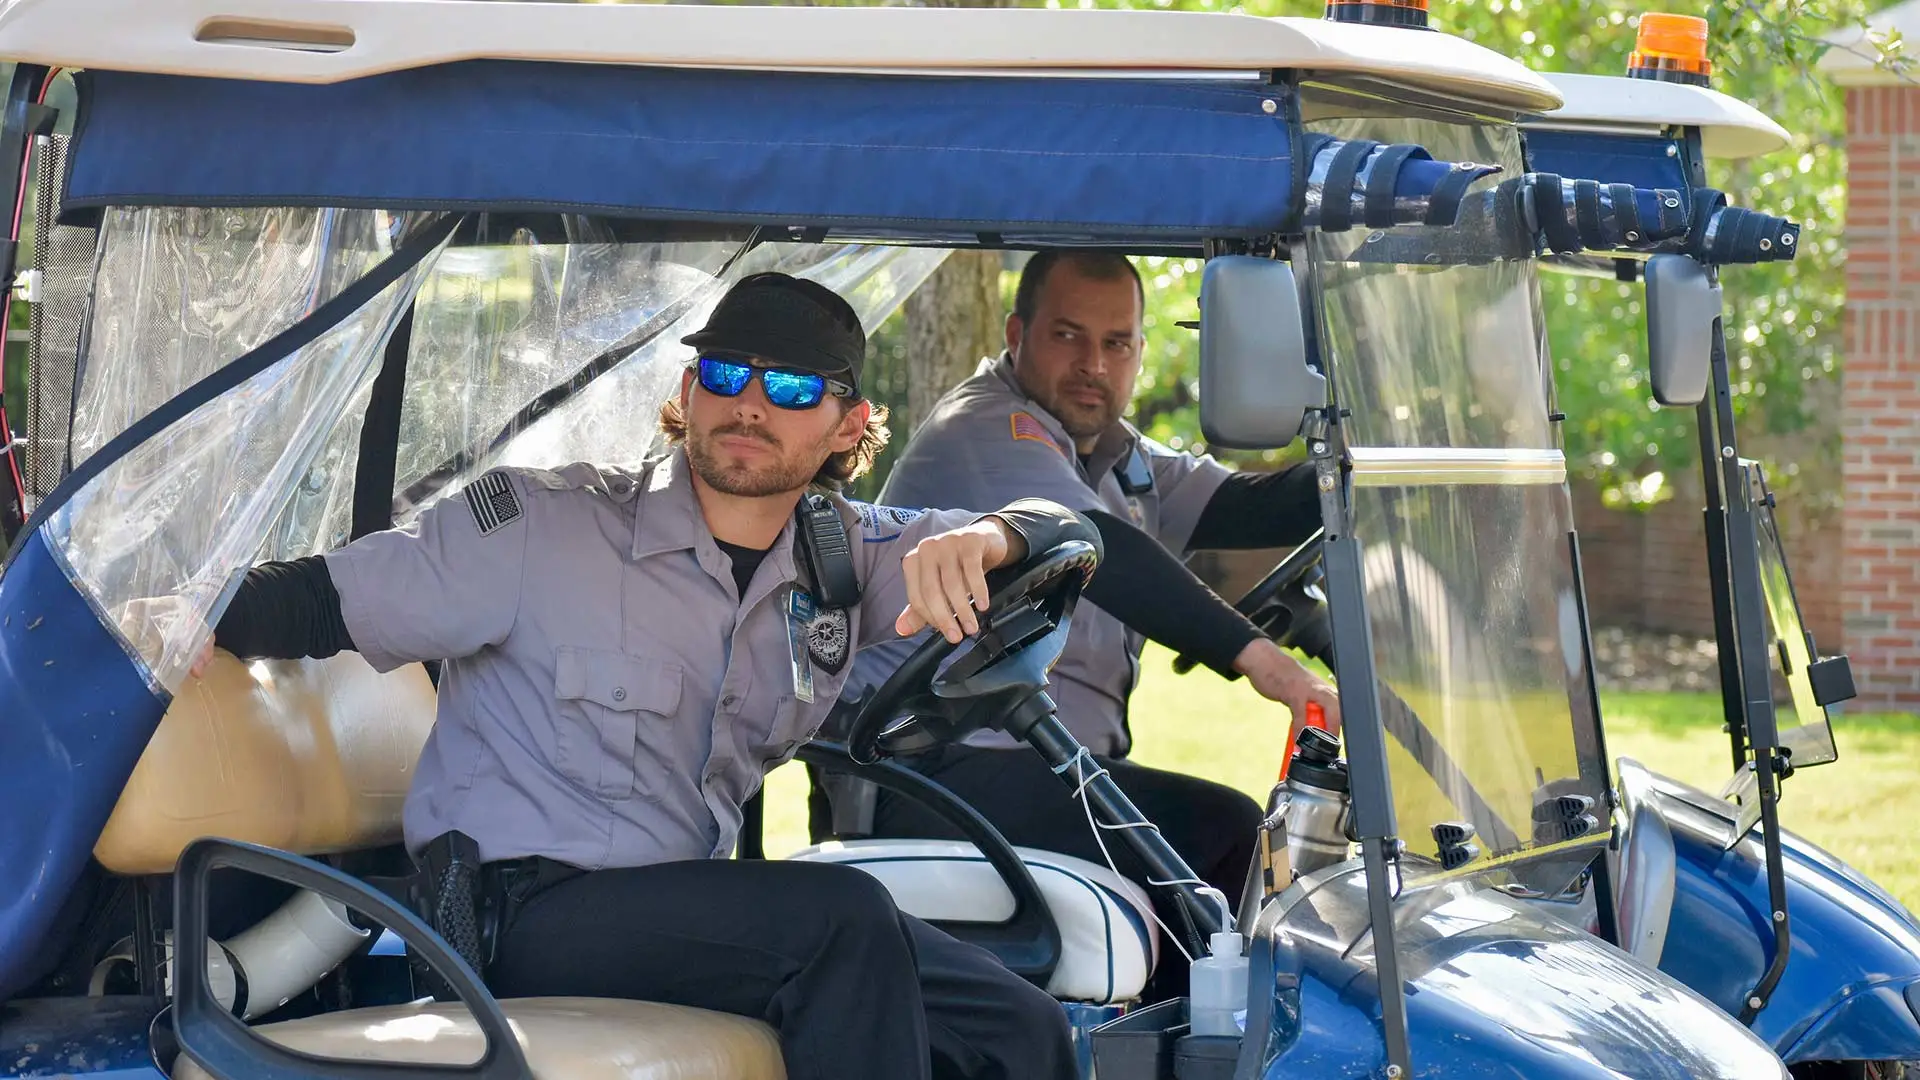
pixel 1108 939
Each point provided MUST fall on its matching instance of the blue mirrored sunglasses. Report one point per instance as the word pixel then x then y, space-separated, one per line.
pixel 785 387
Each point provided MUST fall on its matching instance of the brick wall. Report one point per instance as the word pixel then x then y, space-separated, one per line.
pixel 1881 395
pixel 1648 569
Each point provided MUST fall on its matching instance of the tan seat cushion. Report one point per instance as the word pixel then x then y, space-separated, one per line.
pixel 309 756
pixel 563 1038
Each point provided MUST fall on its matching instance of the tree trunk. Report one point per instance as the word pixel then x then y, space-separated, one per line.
pixel 955 318
pixel 952 321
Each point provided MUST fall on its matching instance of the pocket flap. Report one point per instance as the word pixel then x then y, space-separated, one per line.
pixel 615 680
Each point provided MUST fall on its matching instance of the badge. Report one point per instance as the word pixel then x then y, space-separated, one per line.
pixel 800 615
pixel 826 631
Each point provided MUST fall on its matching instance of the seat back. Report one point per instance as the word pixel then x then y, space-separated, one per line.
pixel 309 756
pixel 1647 866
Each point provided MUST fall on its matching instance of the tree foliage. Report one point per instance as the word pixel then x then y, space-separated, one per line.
pixel 1783 320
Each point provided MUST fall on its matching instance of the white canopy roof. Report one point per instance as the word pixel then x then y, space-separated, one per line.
pixel 332 40
pixel 1729 128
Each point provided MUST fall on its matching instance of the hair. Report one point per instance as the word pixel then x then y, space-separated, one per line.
pixel 1098 265
pixel 836 472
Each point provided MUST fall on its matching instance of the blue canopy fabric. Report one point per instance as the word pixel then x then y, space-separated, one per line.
pixel 78 712
pixel 1644 161
pixel 1107 159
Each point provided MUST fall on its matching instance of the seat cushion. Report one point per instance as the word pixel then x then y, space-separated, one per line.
pixel 309 756
pixel 564 1038
pixel 1108 941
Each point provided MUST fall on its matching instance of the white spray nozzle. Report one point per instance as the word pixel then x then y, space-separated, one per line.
pixel 1227 943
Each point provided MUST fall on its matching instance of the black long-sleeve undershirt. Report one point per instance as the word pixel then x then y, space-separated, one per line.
pixel 1259 510
pixel 285 610
pixel 1144 586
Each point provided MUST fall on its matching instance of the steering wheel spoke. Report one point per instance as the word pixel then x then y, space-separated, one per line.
pixel 1005 663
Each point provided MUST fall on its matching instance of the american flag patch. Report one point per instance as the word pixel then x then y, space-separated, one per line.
pixel 1025 426
pixel 493 502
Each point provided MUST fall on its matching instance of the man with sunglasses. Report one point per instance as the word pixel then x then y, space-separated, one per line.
pixel 1045 419
pixel 628 651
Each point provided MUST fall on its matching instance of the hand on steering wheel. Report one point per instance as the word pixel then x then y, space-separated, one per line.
pixel 1021 635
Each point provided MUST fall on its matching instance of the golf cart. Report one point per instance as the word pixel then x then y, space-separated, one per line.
pixel 1817 959
pixel 323 262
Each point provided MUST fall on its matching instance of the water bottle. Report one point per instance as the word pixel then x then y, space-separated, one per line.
pixel 1219 988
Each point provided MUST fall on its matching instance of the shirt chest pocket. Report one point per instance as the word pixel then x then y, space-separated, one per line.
pixel 615 733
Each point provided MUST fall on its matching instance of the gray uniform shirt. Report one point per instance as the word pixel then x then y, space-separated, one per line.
pixel 607 700
pixel 985 444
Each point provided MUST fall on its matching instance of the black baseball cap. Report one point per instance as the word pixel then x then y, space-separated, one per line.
pixel 787 321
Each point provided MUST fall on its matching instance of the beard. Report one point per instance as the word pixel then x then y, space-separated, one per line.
pixel 789 471
pixel 1082 421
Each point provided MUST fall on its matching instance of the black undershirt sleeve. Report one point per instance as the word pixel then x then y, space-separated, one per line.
pixel 1145 587
pixel 1259 510
pixel 1045 524
pixel 285 610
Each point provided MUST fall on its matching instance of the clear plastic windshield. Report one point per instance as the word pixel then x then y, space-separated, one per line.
pixel 1463 516
pixel 1802 722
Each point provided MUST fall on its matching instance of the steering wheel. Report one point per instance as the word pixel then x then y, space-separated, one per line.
pixel 1021 635
pixel 1282 595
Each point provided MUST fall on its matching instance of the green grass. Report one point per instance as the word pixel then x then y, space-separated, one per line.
pixel 1858 808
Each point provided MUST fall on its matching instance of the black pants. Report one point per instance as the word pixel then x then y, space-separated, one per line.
pixel 1210 825
pixel 856 990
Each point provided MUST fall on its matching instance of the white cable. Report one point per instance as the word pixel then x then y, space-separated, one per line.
pixel 1080 793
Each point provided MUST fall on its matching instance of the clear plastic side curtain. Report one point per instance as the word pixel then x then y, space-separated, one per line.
pixel 104 605
pixel 498 327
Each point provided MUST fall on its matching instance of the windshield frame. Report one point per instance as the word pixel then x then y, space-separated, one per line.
pixel 1362 459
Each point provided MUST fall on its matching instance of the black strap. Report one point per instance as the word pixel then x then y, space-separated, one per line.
pixel 1443 207
pixel 1378 212
pixel 1706 201
pixel 1336 192
pixel 1550 207
pixel 373 476
pixel 1626 211
pixel 282 345
pixel 1673 214
pixel 1586 214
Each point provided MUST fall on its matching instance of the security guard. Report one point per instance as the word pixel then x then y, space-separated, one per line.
pixel 628 652
pixel 1044 419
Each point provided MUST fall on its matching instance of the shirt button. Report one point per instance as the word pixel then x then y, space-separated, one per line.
pixel 619 693
pixel 730 700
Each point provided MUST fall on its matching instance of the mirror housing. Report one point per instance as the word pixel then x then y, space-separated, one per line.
pixel 1256 384
pixel 1682 306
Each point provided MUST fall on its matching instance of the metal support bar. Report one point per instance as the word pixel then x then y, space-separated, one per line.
pixel 146 939
pixel 1603 898
pixel 1373 815
pixel 1754 663
pixel 16 130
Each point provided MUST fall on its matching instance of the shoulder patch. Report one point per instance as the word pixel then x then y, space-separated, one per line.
pixel 493 502
pixel 1027 426
pixel 878 524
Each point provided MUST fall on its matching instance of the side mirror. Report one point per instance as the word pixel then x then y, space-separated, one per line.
pixel 1682 306
pixel 1255 383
